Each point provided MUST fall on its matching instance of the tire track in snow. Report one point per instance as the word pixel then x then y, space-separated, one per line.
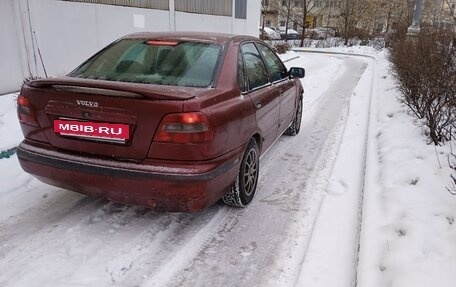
pixel 104 244
pixel 357 182
pixel 88 230
pixel 269 228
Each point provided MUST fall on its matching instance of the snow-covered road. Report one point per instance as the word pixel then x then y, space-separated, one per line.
pixel 54 237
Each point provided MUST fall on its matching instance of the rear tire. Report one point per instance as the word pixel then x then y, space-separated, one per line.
pixel 295 126
pixel 244 186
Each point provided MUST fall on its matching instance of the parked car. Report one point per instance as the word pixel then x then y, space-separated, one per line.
pixel 320 33
pixel 269 34
pixel 330 31
pixel 291 33
pixel 171 121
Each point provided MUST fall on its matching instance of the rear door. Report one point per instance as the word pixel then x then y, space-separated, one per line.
pixel 264 96
pixel 285 85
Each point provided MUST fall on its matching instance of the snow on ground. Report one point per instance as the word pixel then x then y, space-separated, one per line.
pixel 302 228
pixel 408 230
pixel 331 257
pixel 9 126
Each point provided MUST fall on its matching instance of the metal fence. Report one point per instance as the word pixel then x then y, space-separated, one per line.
pixel 211 7
pixel 155 4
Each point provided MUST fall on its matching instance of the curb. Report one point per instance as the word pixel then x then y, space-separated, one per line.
pixel 294 58
pixel 367 154
pixel 310 50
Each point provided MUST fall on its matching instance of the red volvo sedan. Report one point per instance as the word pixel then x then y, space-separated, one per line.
pixel 172 121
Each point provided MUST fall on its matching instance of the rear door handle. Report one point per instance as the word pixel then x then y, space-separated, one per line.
pixel 258 105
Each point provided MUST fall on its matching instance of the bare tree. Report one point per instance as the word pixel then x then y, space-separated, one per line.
pixel 362 17
pixel 451 10
pixel 396 9
pixel 436 12
pixel 432 13
pixel 403 15
pixel 287 9
pixel 268 7
pixel 382 12
pixel 307 7
pixel 351 13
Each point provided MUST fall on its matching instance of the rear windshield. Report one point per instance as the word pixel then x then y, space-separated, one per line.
pixel 153 62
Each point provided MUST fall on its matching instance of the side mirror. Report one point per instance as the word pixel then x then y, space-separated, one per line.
pixel 296 72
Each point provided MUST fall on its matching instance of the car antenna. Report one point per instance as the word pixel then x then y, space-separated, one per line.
pixel 39 53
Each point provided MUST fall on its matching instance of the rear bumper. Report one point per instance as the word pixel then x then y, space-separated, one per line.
pixel 172 186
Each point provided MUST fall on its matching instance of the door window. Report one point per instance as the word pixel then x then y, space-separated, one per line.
pixel 274 64
pixel 255 69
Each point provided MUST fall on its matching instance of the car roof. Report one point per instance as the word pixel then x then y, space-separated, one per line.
pixel 292 30
pixel 190 36
pixel 283 28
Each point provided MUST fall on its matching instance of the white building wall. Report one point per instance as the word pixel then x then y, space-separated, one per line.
pixel 71 32
pixel 12 68
pixel 198 22
pixel 66 33
pixel 249 26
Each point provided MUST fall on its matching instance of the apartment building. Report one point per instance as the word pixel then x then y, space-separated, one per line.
pixel 448 15
pixel 276 12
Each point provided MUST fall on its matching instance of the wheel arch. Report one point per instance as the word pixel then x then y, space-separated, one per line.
pixel 257 137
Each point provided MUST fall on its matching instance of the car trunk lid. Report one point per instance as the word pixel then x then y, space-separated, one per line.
pixel 68 112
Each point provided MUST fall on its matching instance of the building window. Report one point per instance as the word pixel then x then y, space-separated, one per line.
pixel 156 4
pixel 211 7
pixel 240 9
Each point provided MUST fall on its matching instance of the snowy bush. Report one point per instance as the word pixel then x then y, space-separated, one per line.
pixel 425 69
pixel 377 43
pixel 282 47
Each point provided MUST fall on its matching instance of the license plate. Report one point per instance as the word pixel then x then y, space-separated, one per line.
pixel 92 131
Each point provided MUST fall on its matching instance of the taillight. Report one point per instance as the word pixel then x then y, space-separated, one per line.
pixel 25 112
pixel 184 128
